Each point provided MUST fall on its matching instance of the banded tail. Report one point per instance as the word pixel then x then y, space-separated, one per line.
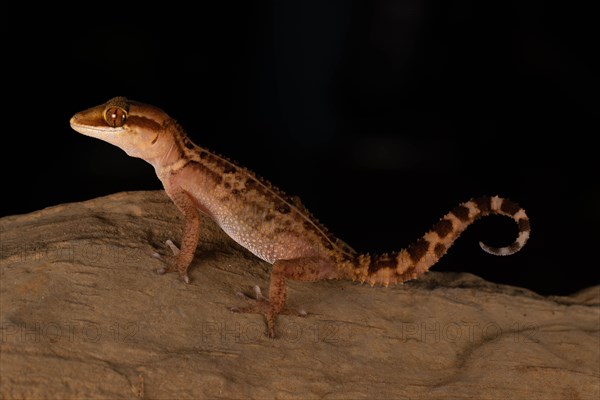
pixel 417 258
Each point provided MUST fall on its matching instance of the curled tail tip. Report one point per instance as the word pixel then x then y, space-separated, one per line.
pixel 503 206
pixel 500 251
pixel 508 250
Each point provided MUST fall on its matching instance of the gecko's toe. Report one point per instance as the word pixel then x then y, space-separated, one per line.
pixel 258 294
pixel 271 330
pixel 173 248
pixel 170 260
pixel 255 309
pixel 301 313
pixel 258 307
pixel 242 296
pixel 261 307
pixel 294 313
pixel 165 270
pixel 183 276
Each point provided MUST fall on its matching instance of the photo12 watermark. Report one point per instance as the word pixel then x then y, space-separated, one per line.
pixel 71 332
pixel 87 253
pixel 453 332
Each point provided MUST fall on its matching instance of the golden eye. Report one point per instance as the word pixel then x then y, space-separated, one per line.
pixel 115 116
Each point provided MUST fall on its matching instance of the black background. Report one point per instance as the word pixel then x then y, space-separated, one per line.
pixel 381 116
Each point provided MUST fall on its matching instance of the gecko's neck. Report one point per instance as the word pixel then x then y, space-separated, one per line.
pixel 177 149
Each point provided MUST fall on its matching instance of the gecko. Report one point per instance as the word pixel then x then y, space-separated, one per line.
pixel 273 226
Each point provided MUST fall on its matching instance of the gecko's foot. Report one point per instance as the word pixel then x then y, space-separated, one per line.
pixel 184 277
pixel 170 260
pixel 261 305
pixel 172 267
pixel 260 298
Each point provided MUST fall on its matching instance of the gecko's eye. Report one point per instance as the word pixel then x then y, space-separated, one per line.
pixel 115 116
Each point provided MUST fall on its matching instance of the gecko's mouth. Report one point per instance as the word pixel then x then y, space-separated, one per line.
pixel 84 128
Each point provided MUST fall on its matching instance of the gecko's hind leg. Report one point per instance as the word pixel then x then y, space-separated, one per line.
pixel 304 269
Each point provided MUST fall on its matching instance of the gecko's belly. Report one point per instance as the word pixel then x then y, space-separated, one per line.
pixel 254 227
pixel 270 244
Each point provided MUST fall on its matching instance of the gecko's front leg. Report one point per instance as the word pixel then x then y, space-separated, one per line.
pixel 307 269
pixel 191 234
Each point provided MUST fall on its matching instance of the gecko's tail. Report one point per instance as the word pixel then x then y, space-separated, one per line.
pixel 417 258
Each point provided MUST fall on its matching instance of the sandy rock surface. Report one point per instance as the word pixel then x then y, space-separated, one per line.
pixel 83 314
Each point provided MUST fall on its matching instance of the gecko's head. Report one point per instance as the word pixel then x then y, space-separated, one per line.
pixel 134 127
